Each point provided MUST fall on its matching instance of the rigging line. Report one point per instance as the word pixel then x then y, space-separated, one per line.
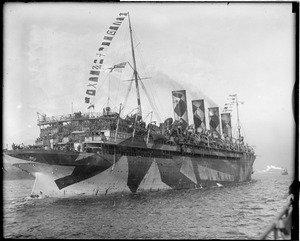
pixel 148 95
pixel 153 104
pixel 236 132
pixel 104 100
pixel 112 103
pixel 150 115
pixel 140 55
pixel 122 36
pixel 104 79
pixel 98 88
pixel 144 68
pixel 150 84
pixel 147 116
pixel 129 109
pixel 127 94
pixel 117 81
pixel 109 100
pixel 149 99
pixel 119 55
pixel 244 133
pixel 132 110
pixel 141 58
pixel 125 39
pixel 153 98
pixel 108 97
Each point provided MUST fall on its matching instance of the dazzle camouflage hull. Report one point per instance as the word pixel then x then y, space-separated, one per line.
pixel 61 173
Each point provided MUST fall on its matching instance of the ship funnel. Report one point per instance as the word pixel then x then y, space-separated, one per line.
pixel 226 125
pixel 214 119
pixel 180 107
pixel 199 115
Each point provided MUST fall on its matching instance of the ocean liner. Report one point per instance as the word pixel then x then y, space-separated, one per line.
pixel 101 153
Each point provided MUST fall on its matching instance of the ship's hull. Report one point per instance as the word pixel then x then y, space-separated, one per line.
pixel 60 173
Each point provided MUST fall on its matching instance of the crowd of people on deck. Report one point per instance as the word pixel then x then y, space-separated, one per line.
pixel 18 147
pixel 173 132
pixel 90 127
pixel 22 146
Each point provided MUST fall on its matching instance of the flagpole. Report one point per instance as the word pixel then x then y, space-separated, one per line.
pixel 238 118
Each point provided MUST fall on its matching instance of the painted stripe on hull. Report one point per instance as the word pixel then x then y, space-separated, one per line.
pixel 171 174
pixel 112 180
pixel 152 179
pixel 138 167
pixel 188 170
pixel 79 174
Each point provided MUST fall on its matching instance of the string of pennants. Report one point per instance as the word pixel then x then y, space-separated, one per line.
pixel 229 105
pixel 99 60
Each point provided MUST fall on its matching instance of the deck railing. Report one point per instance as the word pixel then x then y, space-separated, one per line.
pixel 281 225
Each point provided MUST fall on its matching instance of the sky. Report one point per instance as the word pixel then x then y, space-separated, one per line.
pixel 210 50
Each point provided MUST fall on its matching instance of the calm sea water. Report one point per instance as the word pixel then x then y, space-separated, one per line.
pixel 240 211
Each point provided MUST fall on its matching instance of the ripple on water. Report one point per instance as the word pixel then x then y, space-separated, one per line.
pixel 235 212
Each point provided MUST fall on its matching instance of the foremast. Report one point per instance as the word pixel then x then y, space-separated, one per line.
pixel 135 73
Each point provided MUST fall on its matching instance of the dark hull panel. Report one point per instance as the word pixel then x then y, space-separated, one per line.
pixel 69 173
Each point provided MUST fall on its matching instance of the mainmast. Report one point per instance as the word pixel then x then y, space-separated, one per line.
pixel 135 72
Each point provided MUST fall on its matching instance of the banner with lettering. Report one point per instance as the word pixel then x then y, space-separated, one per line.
pixel 98 61
pixel 180 107
pixel 199 115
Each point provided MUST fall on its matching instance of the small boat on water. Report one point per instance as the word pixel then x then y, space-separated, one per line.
pixel 284 171
pixel 97 153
